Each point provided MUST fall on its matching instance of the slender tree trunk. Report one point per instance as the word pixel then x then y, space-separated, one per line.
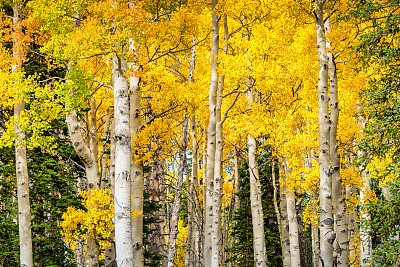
pixel 366 241
pixel 193 197
pixel 110 251
pixel 106 135
pixel 327 234
pixel 204 211
pixel 137 183
pixel 293 225
pixel 236 175
pixel 122 197
pixel 189 235
pixel 314 230
pixel 285 241
pixel 341 256
pixel 24 209
pixel 195 260
pixel 256 206
pixel 257 214
pixel 177 198
pixel 211 210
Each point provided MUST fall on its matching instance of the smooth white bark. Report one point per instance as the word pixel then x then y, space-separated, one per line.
pixel 122 197
pixel 24 210
pixel 136 169
pixel 210 229
pixel 327 234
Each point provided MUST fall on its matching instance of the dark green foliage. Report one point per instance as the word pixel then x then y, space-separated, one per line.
pixel 152 257
pixel 377 46
pixel 385 228
pixel 242 229
pixel 52 181
pixel 9 245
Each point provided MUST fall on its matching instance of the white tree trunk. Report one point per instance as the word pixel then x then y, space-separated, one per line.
pixel 24 209
pixel 177 198
pixel 136 169
pixel 122 197
pixel 257 214
pixel 110 252
pixel 285 241
pixel 366 241
pixel 327 234
pixel 314 230
pixel 210 229
pixel 341 253
pixel 293 225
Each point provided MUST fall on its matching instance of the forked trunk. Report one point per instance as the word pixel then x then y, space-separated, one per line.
pixel 122 197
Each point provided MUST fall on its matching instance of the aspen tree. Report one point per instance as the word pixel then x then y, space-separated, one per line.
pixel 110 251
pixel 122 197
pixel 327 235
pixel 293 224
pixel 178 197
pixel 217 245
pixel 193 235
pixel 341 256
pixel 86 153
pixel 211 146
pixel 136 168
pixel 257 214
pixel 365 237
pixel 285 241
pixel 24 209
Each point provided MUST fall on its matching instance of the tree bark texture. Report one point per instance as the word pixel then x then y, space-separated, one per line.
pixel 341 253
pixel 327 234
pixel 122 197
pixel 257 214
pixel 110 257
pixel 24 209
pixel 293 225
pixel 211 145
pixel 136 168
pixel 285 241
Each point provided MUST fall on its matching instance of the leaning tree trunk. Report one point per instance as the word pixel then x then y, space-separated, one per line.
pixel 342 251
pixel 122 197
pixel 210 229
pixel 327 234
pixel 177 199
pixel 24 209
pixel 136 169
